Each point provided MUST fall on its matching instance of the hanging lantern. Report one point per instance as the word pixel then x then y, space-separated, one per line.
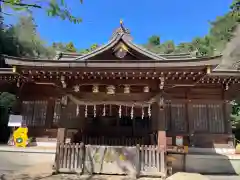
pixel 77 110
pixel 64 100
pixel 146 89
pixel 226 87
pixel 111 89
pixel 143 112
pixel 94 111
pixel 62 78
pixel 149 110
pixel 131 112
pixel 161 85
pixel 18 83
pixel 95 89
pixel 64 85
pixel 126 89
pixel 120 111
pixel 76 88
pixel 86 111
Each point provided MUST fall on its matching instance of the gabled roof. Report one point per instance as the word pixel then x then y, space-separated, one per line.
pixel 122 35
pixel 139 57
pixel 211 61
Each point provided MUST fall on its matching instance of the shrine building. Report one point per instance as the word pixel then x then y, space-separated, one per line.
pixel 122 94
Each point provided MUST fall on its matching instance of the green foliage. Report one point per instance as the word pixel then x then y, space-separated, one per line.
pixel 58 46
pixel 154 40
pixel 235 7
pixel 93 47
pixel 169 47
pixel 53 8
pixel 22 39
pixel 7 100
pixel 70 47
pixel 235 116
pixel 84 51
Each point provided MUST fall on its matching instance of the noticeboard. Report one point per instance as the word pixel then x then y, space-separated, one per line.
pixel 15 120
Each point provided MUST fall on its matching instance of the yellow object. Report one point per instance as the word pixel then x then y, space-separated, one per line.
pixel 14 69
pixel 186 149
pixel 208 69
pixel 124 47
pixel 237 150
pixel 121 21
pixel 20 137
pixel 122 157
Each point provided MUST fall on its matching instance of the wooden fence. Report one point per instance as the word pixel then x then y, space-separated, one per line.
pixel 124 141
pixel 130 160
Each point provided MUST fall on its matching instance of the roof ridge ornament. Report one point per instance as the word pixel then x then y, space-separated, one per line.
pixel 121 22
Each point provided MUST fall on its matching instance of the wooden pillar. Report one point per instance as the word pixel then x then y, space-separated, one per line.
pixel 227 110
pixel 63 116
pixel 154 117
pixel 190 117
pixel 61 135
pixel 50 113
pixel 62 130
pixel 161 126
pixel 227 119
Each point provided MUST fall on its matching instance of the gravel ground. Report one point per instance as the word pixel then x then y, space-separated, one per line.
pixel 18 166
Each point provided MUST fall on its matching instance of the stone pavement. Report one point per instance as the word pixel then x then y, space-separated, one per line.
pixel 44 172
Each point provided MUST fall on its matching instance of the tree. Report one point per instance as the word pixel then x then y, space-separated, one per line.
pixel 154 40
pixel 70 47
pixel 27 40
pixel 93 47
pixel 84 51
pixel 53 8
pixel 169 47
pixel 235 7
pixel 58 46
pixel 22 39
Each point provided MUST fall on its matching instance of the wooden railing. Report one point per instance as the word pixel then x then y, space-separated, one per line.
pixel 152 160
pixel 124 141
pixel 132 160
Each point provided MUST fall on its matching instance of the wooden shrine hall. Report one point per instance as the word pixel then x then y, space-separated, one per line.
pixel 123 94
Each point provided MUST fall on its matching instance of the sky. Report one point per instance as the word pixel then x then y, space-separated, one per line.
pixel 177 20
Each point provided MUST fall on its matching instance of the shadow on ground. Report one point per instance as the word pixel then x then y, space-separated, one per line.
pixel 70 177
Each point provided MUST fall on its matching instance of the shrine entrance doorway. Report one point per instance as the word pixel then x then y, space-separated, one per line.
pixel 109 124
